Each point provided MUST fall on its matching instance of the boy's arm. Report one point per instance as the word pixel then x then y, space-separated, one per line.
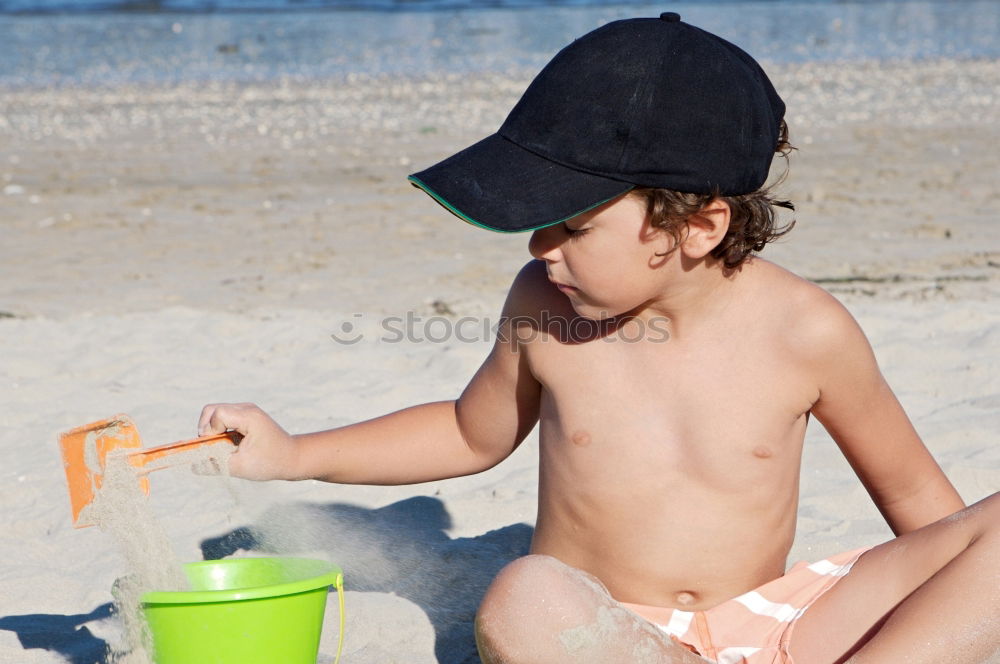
pixel 495 412
pixel 863 416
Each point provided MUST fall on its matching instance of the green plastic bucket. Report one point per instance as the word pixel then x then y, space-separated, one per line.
pixel 244 611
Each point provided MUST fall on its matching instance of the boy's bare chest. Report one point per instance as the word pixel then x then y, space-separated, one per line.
pixel 648 454
pixel 718 411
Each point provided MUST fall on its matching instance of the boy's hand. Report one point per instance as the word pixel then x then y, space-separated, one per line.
pixel 267 452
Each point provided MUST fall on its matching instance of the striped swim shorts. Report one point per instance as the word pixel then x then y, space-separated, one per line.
pixel 756 627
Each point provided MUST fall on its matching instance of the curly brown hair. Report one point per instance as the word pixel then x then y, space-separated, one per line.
pixel 753 219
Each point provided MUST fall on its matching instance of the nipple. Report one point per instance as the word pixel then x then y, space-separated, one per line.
pixel 762 452
pixel 581 438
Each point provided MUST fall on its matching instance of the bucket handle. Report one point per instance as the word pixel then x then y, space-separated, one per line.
pixel 339 584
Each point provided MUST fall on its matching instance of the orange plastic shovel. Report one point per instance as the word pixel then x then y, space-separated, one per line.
pixel 85 450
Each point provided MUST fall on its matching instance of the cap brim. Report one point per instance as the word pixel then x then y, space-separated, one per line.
pixel 499 185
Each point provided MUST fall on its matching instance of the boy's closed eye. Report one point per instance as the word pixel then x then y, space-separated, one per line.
pixel 574 232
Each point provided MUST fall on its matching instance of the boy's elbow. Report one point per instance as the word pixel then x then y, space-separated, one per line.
pixel 486 445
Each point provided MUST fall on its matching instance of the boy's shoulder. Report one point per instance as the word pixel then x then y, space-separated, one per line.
pixel 812 319
pixel 781 284
pixel 531 294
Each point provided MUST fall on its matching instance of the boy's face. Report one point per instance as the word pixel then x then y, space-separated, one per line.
pixel 604 260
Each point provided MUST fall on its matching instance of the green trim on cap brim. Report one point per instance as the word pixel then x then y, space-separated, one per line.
pixel 464 217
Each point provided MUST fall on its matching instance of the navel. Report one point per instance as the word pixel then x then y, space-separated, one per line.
pixel 686 598
pixel 763 452
pixel 580 438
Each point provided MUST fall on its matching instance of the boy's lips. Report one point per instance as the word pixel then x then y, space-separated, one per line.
pixel 562 287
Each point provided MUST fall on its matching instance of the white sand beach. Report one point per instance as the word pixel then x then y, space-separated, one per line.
pixel 170 246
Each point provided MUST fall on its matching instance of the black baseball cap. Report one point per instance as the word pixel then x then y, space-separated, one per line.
pixel 650 102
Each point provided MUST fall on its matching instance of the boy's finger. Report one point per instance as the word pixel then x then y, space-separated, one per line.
pixel 205 418
pixel 222 420
pixel 225 417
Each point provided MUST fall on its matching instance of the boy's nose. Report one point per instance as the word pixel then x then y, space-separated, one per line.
pixel 544 243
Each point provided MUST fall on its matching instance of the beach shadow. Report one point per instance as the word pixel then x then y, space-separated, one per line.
pixel 66 635
pixel 401 548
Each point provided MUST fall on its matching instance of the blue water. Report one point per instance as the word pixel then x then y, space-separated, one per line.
pixel 98 43
pixel 228 6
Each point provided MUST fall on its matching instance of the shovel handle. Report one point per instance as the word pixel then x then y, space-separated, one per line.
pixel 140 458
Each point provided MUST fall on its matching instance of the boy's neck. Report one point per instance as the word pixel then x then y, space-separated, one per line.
pixel 694 297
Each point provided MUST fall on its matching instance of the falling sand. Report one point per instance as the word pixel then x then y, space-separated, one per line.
pixel 120 508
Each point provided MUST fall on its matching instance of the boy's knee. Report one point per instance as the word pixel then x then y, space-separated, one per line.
pixel 523 584
pixel 530 598
pixel 500 619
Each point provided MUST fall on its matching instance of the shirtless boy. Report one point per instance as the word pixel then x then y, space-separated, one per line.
pixel 672 374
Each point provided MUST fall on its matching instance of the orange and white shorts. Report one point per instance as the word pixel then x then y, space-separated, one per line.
pixel 756 627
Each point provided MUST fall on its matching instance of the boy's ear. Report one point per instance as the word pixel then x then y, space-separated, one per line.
pixel 706 228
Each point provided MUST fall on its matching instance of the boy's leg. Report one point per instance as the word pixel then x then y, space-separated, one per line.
pixel 931 595
pixel 539 610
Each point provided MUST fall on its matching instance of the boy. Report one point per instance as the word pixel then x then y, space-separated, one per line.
pixel 672 375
